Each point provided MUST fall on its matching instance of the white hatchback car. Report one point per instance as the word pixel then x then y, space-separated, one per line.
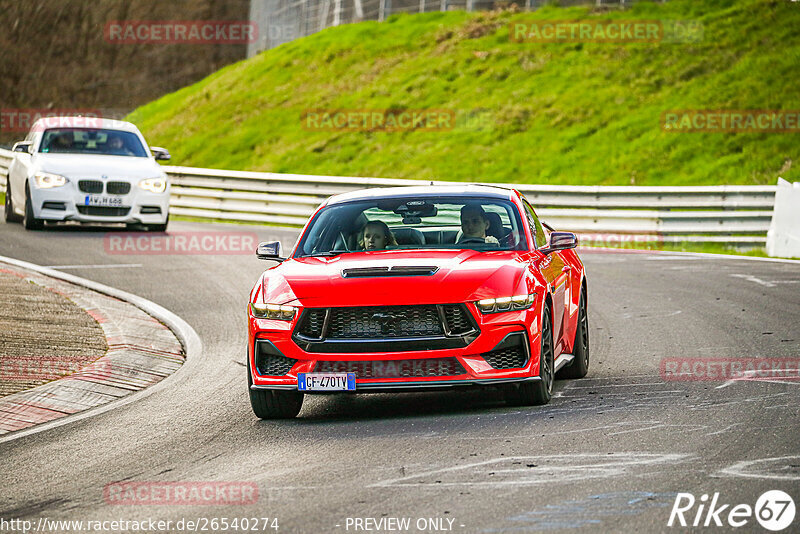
pixel 87 170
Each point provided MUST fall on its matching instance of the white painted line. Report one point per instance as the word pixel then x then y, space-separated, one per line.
pixel 549 469
pixel 668 254
pixel 185 333
pixel 741 469
pixel 671 258
pixel 586 379
pixel 746 376
pixel 765 283
pixel 621 385
pixel 750 376
pixel 628 395
pixel 598 428
pixel 97 266
pixel 724 429
pixel 651 427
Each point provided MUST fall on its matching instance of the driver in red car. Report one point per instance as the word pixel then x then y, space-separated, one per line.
pixel 474 224
pixel 376 236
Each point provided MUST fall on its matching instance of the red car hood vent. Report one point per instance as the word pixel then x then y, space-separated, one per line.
pixel 396 270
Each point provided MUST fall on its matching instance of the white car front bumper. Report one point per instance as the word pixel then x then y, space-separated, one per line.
pixel 68 203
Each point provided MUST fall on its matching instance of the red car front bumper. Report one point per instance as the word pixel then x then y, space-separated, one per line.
pixel 504 348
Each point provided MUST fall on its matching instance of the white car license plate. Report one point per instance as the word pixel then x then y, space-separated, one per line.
pixel 326 381
pixel 100 200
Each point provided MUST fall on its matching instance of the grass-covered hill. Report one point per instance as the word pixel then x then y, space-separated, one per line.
pixel 577 113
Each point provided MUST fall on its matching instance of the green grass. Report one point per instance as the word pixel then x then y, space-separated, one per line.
pixel 581 113
pixel 706 248
pixel 715 248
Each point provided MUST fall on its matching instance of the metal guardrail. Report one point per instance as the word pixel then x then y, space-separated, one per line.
pixel 737 215
pixel 5 161
pixel 281 21
pixel 734 215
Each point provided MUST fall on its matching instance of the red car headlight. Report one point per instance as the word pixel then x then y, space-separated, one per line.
pixel 273 311
pixel 504 304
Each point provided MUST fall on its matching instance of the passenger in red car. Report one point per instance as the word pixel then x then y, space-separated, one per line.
pixel 474 224
pixel 376 236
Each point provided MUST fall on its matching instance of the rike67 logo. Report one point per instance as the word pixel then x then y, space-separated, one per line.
pixel 774 510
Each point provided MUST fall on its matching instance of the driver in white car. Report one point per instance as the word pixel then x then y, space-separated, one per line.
pixel 474 224
pixel 116 146
pixel 62 143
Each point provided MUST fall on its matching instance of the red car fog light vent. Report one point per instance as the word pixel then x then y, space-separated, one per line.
pixel 270 361
pixel 511 353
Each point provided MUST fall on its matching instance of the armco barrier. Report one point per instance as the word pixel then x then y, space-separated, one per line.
pixel 733 215
pixel 5 161
pixel 783 237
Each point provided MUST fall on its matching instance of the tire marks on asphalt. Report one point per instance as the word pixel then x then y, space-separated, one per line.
pixel 533 470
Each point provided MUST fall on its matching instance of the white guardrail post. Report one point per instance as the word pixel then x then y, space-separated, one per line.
pixel 731 215
pixel 5 161
pixel 783 237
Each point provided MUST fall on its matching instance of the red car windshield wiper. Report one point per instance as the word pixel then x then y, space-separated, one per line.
pixel 327 253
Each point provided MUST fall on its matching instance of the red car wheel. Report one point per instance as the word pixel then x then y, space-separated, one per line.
pixel 540 391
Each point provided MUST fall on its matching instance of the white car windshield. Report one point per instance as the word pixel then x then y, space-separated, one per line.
pixel 476 223
pixel 92 141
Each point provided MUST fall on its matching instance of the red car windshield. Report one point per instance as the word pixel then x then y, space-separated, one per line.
pixel 414 223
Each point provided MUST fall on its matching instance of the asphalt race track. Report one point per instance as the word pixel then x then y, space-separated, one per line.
pixel 609 453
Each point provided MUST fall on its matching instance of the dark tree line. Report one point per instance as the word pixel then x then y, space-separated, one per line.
pixel 54 54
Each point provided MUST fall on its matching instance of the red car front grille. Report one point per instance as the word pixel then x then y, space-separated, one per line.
pixel 360 329
pixel 385 322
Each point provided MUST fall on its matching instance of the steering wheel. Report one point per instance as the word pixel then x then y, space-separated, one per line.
pixel 511 240
pixel 471 240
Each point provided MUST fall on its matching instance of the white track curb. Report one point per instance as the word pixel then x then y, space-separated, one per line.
pixel 192 345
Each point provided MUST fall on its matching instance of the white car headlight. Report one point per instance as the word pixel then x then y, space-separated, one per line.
pixel 504 304
pixel 46 180
pixel 273 311
pixel 154 185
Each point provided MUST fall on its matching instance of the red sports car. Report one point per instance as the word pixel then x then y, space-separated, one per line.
pixel 418 287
